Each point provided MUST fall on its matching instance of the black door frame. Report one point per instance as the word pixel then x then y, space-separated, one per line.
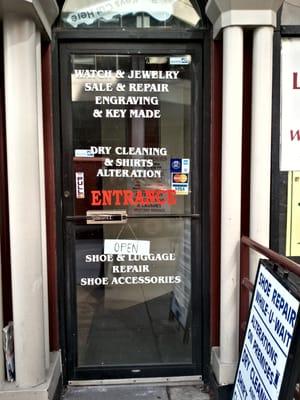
pixel 199 233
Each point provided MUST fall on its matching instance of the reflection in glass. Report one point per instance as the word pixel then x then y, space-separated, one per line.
pixel 132 310
pixel 130 13
pixel 126 322
pixel 169 136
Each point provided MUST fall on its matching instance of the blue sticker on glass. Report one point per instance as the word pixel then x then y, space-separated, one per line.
pixel 185 168
pixel 175 165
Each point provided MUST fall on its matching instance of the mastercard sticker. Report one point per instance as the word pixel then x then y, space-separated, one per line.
pixel 180 183
pixel 180 178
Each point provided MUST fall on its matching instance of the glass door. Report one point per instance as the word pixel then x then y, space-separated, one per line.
pixel 131 196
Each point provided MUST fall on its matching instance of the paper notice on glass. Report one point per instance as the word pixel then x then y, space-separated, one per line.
pixel 122 246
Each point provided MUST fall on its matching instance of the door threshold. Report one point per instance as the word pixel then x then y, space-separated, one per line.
pixel 164 381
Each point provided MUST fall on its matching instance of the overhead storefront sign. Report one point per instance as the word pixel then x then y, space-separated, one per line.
pixel 290 100
pixel 107 10
pixel 266 350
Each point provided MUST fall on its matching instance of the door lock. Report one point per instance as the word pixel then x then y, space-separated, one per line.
pixel 67 194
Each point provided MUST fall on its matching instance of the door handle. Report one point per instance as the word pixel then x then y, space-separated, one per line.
pixel 100 217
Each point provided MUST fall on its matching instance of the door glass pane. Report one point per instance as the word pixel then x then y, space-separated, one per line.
pixel 135 311
pixel 132 169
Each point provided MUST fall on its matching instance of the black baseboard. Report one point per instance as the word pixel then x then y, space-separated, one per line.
pixel 220 392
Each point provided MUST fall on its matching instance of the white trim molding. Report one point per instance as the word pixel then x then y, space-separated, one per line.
pixel 224 13
pixel 42 12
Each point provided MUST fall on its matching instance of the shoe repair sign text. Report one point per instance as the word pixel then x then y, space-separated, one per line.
pixel 268 338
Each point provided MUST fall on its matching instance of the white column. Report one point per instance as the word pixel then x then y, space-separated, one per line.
pixel 224 360
pixel 24 189
pixel 261 140
pixel 231 190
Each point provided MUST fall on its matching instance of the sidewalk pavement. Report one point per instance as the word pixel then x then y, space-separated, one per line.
pixel 135 392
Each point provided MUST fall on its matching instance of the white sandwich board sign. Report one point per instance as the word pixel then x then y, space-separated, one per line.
pixel 268 339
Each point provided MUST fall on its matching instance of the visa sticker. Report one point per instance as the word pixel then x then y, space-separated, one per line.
pixel 181 188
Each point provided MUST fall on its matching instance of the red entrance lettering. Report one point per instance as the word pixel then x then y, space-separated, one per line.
pixel 132 198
